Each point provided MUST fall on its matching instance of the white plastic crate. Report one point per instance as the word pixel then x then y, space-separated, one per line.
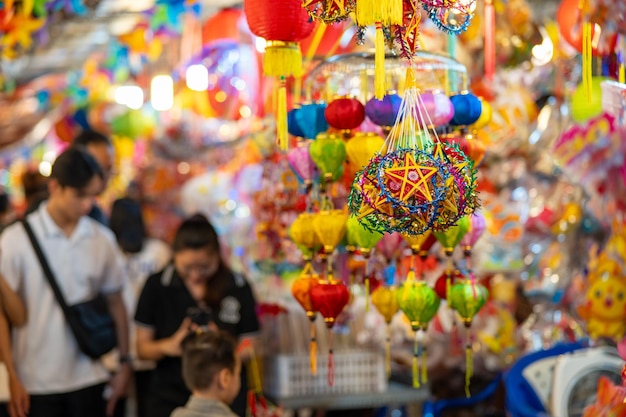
pixel 356 372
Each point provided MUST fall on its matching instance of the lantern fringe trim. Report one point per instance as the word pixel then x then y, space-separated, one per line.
pixel 282 132
pixel 387 12
pixel 379 64
pixel 282 59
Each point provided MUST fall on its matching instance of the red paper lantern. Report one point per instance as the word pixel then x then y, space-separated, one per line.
pixel 345 113
pixel 282 24
pixel 440 284
pixel 568 18
pixel 330 298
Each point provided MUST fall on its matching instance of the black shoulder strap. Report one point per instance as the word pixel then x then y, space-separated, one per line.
pixel 46 268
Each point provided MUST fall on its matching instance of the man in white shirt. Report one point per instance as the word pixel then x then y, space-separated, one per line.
pixel 58 379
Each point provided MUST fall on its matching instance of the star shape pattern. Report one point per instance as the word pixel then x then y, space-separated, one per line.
pixel 413 179
pixel 376 204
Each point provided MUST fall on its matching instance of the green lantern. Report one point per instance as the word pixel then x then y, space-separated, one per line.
pixel 360 237
pixel 467 298
pixel 329 154
pixel 453 235
pixel 418 302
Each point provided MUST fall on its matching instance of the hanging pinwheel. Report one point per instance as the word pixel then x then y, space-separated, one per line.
pixel 467 298
pixel 385 300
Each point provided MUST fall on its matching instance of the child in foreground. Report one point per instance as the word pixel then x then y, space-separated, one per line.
pixel 211 370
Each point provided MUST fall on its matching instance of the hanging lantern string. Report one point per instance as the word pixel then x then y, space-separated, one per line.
pixel 587 66
pixel 430 125
pixel 469 363
pixel 388 350
pixel 367 283
pixel 423 355
pixel 416 354
pixel 331 360
pixel 313 348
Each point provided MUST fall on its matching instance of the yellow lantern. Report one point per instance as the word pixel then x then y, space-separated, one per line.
pixel 362 147
pixel 385 299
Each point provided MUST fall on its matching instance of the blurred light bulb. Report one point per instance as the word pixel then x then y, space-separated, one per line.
pixel 260 44
pixel 130 96
pixel 197 77
pixel 162 92
pixel 45 168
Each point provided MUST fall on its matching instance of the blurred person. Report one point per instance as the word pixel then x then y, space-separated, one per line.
pixel 6 211
pixel 58 379
pixel 212 372
pixel 144 256
pixel 197 290
pixel 101 149
pixel 12 314
pixel 35 187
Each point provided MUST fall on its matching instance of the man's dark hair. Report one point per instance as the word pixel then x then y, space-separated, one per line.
pixel 127 224
pixel 91 137
pixel 4 202
pixel 196 232
pixel 205 355
pixel 75 168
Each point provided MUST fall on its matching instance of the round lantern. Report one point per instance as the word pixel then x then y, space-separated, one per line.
pixel 418 302
pixel 311 120
pixel 329 153
pixel 360 237
pixel 362 147
pixel 383 112
pixel 467 109
pixel 345 113
pixel 476 229
pixel 485 114
pixel 282 24
pixel 330 228
pixel 292 123
pixel 303 234
pixel 439 108
pixel 584 108
pixel 385 299
pixel 420 244
pixel 301 163
pixel 467 298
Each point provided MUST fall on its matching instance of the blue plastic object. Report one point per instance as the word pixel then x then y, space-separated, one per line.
pixel 435 408
pixel 521 398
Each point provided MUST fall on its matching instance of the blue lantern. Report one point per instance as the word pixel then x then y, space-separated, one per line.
pixel 467 109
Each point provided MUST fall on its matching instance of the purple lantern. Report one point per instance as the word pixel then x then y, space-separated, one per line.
pixel 476 229
pixel 383 112
pixel 301 163
pixel 439 108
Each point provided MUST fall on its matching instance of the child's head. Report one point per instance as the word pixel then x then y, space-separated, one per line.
pixel 211 365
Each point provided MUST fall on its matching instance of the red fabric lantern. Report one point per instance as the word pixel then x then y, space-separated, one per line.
pixel 440 285
pixel 345 113
pixel 330 298
pixel 222 25
pixel 282 24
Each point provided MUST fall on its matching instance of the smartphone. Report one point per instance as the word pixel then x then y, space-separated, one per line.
pixel 200 316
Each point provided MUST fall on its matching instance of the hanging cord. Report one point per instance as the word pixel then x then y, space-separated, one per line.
pixel 331 360
pixel 388 350
pixel 313 347
pixel 367 282
pixel 416 354
pixel 423 355
pixel 469 362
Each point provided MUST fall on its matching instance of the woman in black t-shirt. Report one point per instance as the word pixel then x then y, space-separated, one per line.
pixel 197 289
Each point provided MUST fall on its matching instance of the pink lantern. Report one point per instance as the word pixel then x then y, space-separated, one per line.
pixel 391 245
pixel 439 108
pixel 477 227
pixel 301 163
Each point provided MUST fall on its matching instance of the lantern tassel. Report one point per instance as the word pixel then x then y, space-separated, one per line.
pixel 587 60
pixel 331 360
pixel 490 40
pixel 367 284
pixel 313 349
pixel 416 373
pixel 282 59
pixel 469 368
pixel 424 368
pixel 379 63
pixel 282 133
pixel 449 278
pixel 388 351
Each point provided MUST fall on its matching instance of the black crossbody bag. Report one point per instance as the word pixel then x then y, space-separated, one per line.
pixel 90 321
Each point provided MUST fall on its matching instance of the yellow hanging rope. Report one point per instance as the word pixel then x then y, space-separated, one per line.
pixel 388 351
pixel 313 349
pixel 424 367
pixel 282 133
pixel 379 63
pixel 469 365
pixel 416 379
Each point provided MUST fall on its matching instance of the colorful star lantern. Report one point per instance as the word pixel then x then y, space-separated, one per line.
pixel 385 300
pixel 452 17
pixel 329 11
pixel 467 298
pixel 419 303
